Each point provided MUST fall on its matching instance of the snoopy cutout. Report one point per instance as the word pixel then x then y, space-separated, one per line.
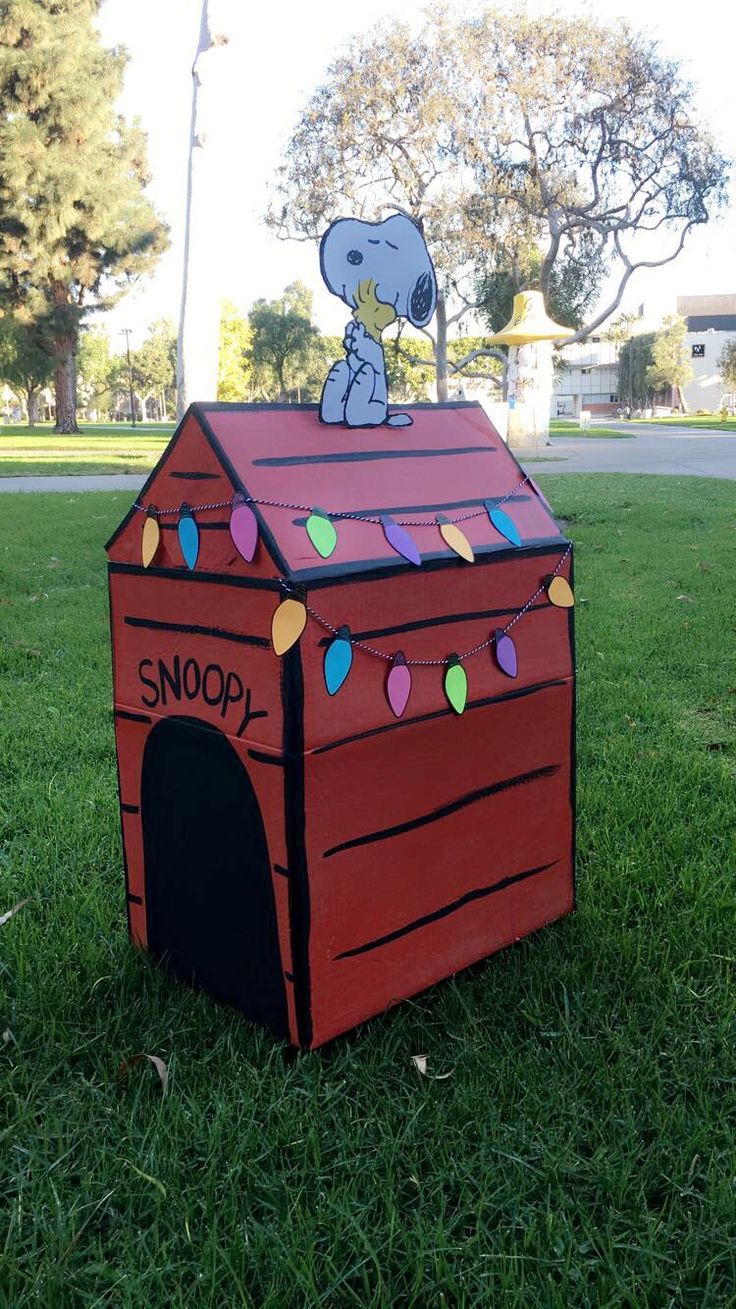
pixel 382 271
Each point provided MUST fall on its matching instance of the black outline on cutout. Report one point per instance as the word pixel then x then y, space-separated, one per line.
pixel 194 629
pixel 444 811
pixel 573 737
pixel 517 694
pixel 292 701
pixel 479 894
pixel 118 779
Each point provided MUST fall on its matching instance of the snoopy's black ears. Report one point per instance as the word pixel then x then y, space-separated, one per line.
pixel 423 299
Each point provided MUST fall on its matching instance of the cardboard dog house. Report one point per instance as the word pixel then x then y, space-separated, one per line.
pixel 316 835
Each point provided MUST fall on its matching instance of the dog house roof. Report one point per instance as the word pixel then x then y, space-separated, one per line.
pixel 450 461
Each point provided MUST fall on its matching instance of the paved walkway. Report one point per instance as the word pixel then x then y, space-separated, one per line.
pixel 681 452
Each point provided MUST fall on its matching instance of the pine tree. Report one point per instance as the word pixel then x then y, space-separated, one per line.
pixel 75 226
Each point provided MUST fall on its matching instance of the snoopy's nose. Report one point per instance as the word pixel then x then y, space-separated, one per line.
pixel 355 257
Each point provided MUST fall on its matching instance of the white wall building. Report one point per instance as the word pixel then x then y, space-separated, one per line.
pixel 588 379
pixel 711 323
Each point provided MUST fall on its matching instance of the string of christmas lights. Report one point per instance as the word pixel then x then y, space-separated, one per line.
pixel 290 620
pixel 320 527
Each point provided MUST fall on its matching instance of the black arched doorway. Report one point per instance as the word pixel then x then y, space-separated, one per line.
pixel 209 898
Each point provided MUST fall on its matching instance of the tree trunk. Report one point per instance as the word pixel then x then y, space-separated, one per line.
pixel 65 385
pixel 32 405
pixel 441 350
pixel 199 321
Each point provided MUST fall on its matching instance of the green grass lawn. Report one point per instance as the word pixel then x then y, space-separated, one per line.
pixel 692 420
pixel 581 1152
pixel 100 448
pixel 561 427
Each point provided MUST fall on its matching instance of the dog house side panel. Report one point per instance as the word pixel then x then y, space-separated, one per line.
pixel 428 615
pixel 435 845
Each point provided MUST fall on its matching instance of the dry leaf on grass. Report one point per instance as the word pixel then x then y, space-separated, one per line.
pixel 420 1063
pixel 5 918
pixel 158 1064
pixel 689 598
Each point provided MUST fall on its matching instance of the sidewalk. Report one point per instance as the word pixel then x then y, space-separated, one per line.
pixel 678 453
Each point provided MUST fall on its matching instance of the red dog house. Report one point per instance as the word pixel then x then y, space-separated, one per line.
pixel 314 835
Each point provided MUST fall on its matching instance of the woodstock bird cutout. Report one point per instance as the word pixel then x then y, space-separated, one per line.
pixel 382 271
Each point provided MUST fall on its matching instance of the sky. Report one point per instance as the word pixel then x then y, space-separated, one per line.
pixel 277 53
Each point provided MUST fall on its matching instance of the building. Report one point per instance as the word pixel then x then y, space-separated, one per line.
pixel 316 822
pixel 587 378
pixel 711 323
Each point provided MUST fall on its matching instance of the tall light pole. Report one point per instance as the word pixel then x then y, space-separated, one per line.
pixel 125 331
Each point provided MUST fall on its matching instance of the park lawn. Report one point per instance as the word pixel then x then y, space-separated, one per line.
pixel 692 420
pixel 98 449
pixel 558 427
pixel 580 1152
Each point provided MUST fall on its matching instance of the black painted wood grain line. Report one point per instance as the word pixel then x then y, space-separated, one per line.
pixel 436 621
pixel 445 507
pixel 368 456
pixel 444 811
pixel 479 893
pixel 203 527
pixel 263 757
pixel 195 629
pixel 129 808
pixel 198 477
pixel 130 717
pixel 517 694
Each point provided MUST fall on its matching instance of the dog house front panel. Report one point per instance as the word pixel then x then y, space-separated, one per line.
pixel 203 786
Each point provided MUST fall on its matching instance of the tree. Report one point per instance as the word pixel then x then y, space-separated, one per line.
pixel 727 365
pixel 283 337
pixel 620 332
pixel 97 369
pixel 584 137
pixel 154 364
pixel 75 226
pixel 24 365
pixel 670 366
pixel 378 134
pixel 508 139
pixel 234 376
pixel 634 362
pixel 196 367
pixel 573 289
